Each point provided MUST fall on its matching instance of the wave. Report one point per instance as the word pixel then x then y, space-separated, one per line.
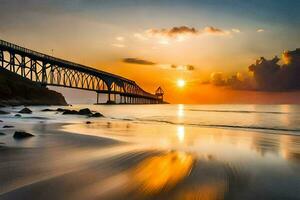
pixel 237 111
pixel 214 125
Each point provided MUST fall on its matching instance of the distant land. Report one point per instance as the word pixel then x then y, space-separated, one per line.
pixel 15 90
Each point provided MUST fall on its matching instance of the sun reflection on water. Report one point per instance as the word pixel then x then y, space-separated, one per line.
pixel 180 133
pixel 161 172
pixel 180 110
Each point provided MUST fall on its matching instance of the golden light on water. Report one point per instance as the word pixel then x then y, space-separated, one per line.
pixel 180 110
pixel 180 133
pixel 181 83
pixel 162 172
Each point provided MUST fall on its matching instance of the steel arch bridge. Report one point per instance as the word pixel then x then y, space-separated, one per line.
pixel 49 70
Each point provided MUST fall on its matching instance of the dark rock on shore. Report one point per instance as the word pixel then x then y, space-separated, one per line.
pixel 1 121
pixel 3 112
pixel 62 110
pixel 48 110
pixel 2 134
pixel 22 135
pixel 16 90
pixel 97 114
pixel 6 126
pixel 88 122
pixel 85 111
pixel 18 115
pixel 70 112
pixel 25 111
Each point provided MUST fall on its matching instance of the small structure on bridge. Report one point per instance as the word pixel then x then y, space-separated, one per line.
pixel 160 94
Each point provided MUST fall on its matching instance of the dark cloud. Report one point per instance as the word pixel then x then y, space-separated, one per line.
pixel 267 75
pixel 137 61
pixel 271 76
pixel 183 67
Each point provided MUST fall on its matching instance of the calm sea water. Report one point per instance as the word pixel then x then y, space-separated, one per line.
pixel 185 151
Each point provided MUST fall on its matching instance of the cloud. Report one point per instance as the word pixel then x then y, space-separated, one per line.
pixel 173 32
pixel 266 75
pixel 214 31
pixel 137 61
pixel 260 30
pixel 271 76
pixel 180 33
pixel 177 67
pixel 163 66
pixel 217 78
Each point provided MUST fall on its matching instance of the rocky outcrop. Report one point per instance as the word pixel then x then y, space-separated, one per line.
pixel 3 112
pixel 15 90
pixel 25 111
pixel 22 135
pixel 7 126
pixel 96 114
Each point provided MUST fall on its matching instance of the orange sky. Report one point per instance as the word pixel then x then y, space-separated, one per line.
pixel 209 36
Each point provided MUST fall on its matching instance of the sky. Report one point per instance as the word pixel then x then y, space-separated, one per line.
pixel 158 42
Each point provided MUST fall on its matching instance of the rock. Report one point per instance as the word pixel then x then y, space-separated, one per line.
pixel 18 115
pixel 85 111
pixel 22 135
pixel 25 111
pixel 8 126
pixel 70 112
pixel 61 110
pixel 48 110
pixel 3 112
pixel 2 134
pixel 97 114
pixel 88 122
pixel 1 121
pixel 2 105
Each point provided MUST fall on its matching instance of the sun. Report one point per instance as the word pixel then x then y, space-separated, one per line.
pixel 180 83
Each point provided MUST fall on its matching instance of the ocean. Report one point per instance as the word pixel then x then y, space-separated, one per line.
pixel 154 152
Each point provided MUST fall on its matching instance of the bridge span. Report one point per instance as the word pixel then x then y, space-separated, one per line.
pixel 48 70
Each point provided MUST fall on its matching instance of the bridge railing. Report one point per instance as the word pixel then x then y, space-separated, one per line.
pixel 59 60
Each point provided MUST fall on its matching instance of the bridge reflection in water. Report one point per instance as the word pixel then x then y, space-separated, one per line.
pixel 48 70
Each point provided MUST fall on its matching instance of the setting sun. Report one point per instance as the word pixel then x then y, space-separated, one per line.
pixel 180 83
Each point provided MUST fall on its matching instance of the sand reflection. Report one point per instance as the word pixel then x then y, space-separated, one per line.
pixel 161 172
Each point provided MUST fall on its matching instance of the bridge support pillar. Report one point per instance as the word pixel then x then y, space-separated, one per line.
pixel 97 97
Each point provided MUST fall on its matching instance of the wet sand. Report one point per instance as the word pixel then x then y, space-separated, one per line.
pixel 59 165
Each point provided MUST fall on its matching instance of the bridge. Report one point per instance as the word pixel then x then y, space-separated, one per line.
pixel 48 70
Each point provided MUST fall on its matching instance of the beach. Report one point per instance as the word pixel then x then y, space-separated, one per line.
pixel 153 152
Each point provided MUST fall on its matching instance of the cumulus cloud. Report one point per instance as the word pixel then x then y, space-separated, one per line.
pixel 137 61
pixel 266 75
pixel 173 32
pixel 269 75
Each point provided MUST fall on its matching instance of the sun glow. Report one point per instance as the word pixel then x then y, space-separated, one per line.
pixel 180 83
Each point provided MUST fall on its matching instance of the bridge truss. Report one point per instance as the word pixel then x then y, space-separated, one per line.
pixel 48 70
